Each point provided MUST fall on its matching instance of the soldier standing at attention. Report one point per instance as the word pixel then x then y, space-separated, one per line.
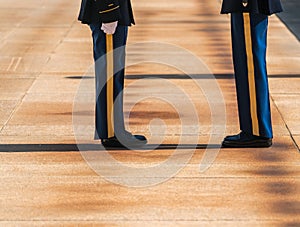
pixel 109 21
pixel 249 25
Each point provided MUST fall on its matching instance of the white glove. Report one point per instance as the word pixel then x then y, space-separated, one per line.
pixel 109 28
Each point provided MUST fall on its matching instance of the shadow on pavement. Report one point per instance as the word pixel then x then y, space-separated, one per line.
pixel 279 184
pixel 290 16
pixel 183 76
pixel 95 147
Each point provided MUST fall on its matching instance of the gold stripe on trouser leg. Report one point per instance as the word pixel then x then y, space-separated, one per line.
pixel 110 85
pixel 251 78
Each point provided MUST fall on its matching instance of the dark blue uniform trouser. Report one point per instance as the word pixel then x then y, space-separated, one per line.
pixel 99 50
pixel 249 44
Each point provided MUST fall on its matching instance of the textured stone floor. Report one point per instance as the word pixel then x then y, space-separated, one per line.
pixel 179 92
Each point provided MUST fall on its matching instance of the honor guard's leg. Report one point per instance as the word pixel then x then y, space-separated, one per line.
pixel 102 114
pixel 249 42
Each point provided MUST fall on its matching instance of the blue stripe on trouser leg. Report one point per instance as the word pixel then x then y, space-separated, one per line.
pixel 99 48
pixel 258 30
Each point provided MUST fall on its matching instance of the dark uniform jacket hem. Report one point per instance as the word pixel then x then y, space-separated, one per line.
pixel 106 11
pixel 266 7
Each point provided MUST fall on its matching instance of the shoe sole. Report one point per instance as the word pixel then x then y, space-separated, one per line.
pixel 252 144
pixel 108 145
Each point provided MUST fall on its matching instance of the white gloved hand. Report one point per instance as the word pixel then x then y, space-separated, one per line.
pixel 109 28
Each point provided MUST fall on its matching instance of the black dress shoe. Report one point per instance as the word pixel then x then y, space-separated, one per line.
pixel 126 140
pixel 244 140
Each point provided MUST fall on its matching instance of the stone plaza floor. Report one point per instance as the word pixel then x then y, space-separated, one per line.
pixel 180 93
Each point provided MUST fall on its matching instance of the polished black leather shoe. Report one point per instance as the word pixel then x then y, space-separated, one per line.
pixel 126 140
pixel 243 140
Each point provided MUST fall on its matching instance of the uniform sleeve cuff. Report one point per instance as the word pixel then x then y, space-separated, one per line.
pixel 110 15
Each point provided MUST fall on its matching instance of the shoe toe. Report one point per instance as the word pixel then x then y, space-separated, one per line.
pixel 140 137
pixel 232 138
pixel 126 140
